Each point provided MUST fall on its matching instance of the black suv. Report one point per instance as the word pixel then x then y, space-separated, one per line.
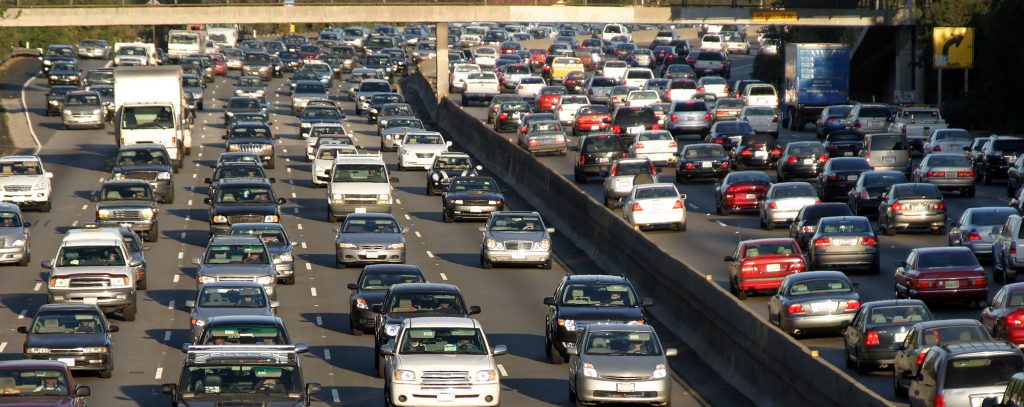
pixel 146 162
pixel 129 202
pixel 596 153
pixel 371 287
pixel 231 170
pixel 408 300
pixel 242 200
pixel 997 156
pixel 252 137
pixel 71 332
pixel 627 122
pixel 581 300
pixel 806 223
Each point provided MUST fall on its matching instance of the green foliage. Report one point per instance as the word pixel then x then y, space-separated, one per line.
pixel 769 68
pixel 41 37
pixel 953 13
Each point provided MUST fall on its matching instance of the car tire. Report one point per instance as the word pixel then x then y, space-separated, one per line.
pixel 889 230
pixel 109 371
pixel 271 163
pixel 429 192
pixel 129 312
pixel 969 192
pixel 572 396
pixel 556 357
pixel 340 264
pixel 445 217
pixel 580 178
pixel 290 280
pixel 169 199
pixel 681 226
pixel 485 263
pixel 153 234
pixel 898 390
pixel 769 225
pixel 608 203
pixel 546 265
pixel 26 259
pixel 46 206
pixel 330 217
pixel 862 368
pixel 381 368
pixel 986 178
pixel 563 152
pixel 356 331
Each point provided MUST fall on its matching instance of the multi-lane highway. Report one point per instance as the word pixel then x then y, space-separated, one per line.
pixel 315 309
pixel 710 237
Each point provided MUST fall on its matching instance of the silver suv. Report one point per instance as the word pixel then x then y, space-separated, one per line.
pixel 961 374
pixel 618 362
pixel 237 258
pixel 618 183
pixel 1007 250
pixel 93 266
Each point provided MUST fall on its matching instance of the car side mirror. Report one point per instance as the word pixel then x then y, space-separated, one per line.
pixel 499 350
pixel 185 346
pixel 377 308
pixel 113 328
pixel 549 300
pixel 670 352
pixel 46 264
pixel 551 230
pixel 197 261
pixel 83 391
pixel 22 329
pixel 208 201
pixel 473 310
pixel 968 148
pixel 729 258
pixel 448 143
pixel 281 201
pixel 353 286
pixel 208 180
pixel 272 180
pixel 572 350
pixel 990 402
pixel 301 348
pixel 388 349
pixel 647 302
pixel 135 263
pixel 190 304
pixel 167 388
pixel 313 389
pixel 393 179
pixel 27 224
pixel 275 304
pixel 224 137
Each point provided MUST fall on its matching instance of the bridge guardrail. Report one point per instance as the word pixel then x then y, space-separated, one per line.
pixel 750 4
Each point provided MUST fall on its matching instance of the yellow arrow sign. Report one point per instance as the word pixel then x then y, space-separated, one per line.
pixel 953 47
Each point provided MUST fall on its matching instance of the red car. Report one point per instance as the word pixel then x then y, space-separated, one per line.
pixel 592 118
pixel 760 265
pixel 1005 317
pixel 538 57
pixel 741 190
pixel 510 48
pixel 942 273
pixel 40 383
pixel 220 65
pixel 549 96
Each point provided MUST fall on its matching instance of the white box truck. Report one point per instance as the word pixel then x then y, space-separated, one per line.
pixel 222 37
pixel 150 108
pixel 182 43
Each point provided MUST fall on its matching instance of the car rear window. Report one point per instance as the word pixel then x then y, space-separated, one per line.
pixel 711 56
pixel 631 117
pixel 603 82
pixel 883 180
pixel 748 177
pixel 981 371
pixel 947 259
pixel 639 74
pixel 937 335
pixel 844 225
pixel 633 168
pixel 805 149
pixel 714 80
pixel 917 191
pixel 948 161
pixel 599 144
pixel 655 136
pixel 874 111
pixel 762 90
pixel 698 152
pixel 845 137
pixel 898 314
pixel 990 217
pixel 769 249
pixel 690 107
pixel 813 213
pixel 820 286
pixel 733 128
pixel 892 143
pixel 1007 147
pixel 953 135
pixel 794 191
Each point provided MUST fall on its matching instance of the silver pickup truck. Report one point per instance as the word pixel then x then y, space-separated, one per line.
pixel 917 124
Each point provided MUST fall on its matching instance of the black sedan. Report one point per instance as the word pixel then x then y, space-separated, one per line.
pixel 839 176
pixel 806 222
pixel 705 160
pixel 64 73
pixel 729 133
pixel 447 166
pixel 370 288
pixel 510 115
pixel 866 194
pixel 844 143
pixel 471 197
pixel 801 159
pixel 76 334
pixel 756 151
pixel 867 342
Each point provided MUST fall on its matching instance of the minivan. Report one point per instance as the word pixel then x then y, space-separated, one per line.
pixel 962 373
pixel 887 152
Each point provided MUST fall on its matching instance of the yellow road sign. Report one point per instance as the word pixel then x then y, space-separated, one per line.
pixel 953 47
pixel 773 16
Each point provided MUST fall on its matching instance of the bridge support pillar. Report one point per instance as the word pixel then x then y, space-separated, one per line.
pixel 908 81
pixel 442 61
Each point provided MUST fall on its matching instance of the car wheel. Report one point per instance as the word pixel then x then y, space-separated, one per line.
pixel 889 230
pixel 681 226
pixel 485 263
pixel 445 217
pixel 986 178
pixel 998 271
pixel 897 293
pixel 27 258
pixel 356 331
pixel 608 203
pixel 861 367
pixel 380 368
pixel 46 206
pixel 556 357
pixel 897 389
pixel 109 371
pixel 330 217
pixel 580 178
pixel 769 224
pixel 572 396
pixel 546 265
pixel 128 313
pixel 153 234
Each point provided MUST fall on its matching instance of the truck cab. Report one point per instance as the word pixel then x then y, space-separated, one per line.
pixel 358 184
pixel 93 266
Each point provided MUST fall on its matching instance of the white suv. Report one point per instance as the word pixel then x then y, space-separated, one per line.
pixel 438 360
pixel 93 266
pixel 24 181
pixel 358 184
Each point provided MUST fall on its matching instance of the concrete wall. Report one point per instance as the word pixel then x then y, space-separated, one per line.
pixel 763 363
pixel 253 14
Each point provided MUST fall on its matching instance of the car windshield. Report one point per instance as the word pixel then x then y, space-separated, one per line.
pixel 516 223
pixel 128 192
pixel 243 103
pixel 981 371
pixel 68 323
pixel 82 99
pixel 656 193
pixel 257 59
pixel 359 173
pixel 620 343
pixel 238 171
pixel 131 51
pixel 804 149
pixel 232 297
pixel 29 382
pixel 243 335
pixel 473 185
pixel 422 139
pixel 20 168
pixel 238 158
pixel 236 254
pixel 794 191
pixel 85 256
pixel 953 135
pixel 244 194
pixel 443 341
pixel 917 191
pixel 384 280
pixel 453 162
pixel 405 123
pixel 271 236
pixel 10 220
pixel 387 98
pixel 733 128
pixel 327 113
pixel 769 249
pixel 747 177
pixel 819 286
pixel 250 81
pixel 595 294
pixel 945 334
pixel 141 157
pixel 952 160
pixel 309 88
pixel 251 132
pixel 947 259
pixel 545 127
pixel 696 152
pixel 854 226
pixel 141 117
pixel 371 225
pixel 398 110
pixel 427 302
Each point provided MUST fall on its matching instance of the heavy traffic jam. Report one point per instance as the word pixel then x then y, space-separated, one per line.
pixel 663 119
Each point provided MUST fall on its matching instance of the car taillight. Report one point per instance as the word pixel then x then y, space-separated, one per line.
pixel 748 267
pixel 965 174
pixel 922 284
pixel 833 177
pixel 638 145
pixel 547 68
pixel 974 235
pixel 822 242
pixel 795 309
pixel 746 152
pixel 898 207
pixel 775 119
pixel 940 400
pixel 636 207
pixel 773 205
pixel 719 140
pixel 807 229
pixel 700 89
pixel 707 117
pixel 920 357
pixel 617 129
pixel 937 148
pixel 533 142
pixel 777 151
pixel 725 165
pixel 868 241
pixel 503 116
pixel 521 87
pixel 903 130
pixel 979 282
pixel 871 339
pixel 856 124
pixel 1015 320
pixel 689 166
pixel 936 174
pixel 941 206
pixel 1013 250
pixel 522 129
pixel 867 155
pixel 678 204
pixel 852 305
pixel 823 157
pixel 655 126
pixel 864 195
pixel 583 159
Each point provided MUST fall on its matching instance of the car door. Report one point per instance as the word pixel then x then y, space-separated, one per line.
pixel 1001 244
pixel 905 269
pixel 907 357
pixel 851 336
pixel 794 227
pixel 990 314
pixel 922 391
pixel 776 301
pixel 551 317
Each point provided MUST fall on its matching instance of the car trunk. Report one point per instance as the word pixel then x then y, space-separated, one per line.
pixel 951 278
pixel 772 266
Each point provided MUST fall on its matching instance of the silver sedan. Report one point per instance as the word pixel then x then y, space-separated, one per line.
pixel 762 119
pixel 977 228
pixel 784 200
pixel 619 363
pixel 948 171
pixel 814 300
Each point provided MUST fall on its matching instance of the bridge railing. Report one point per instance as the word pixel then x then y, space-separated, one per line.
pixel 753 4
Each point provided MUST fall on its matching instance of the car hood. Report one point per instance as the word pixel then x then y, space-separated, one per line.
pixel 237 269
pixel 371 238
pixel 89 270
pixel 206 313
pixel 612 314
pixel 249 88
pixel 530 236
pixel 424 148
pixel 360 188
pixel 20 179
pixel 134 168
pixel 242 209
pixel 373 297
pixel 296 95
pixel 83 108
pixel 244 400
pixel 13 233
pixel 278 249
pixel 65 340
pixel 471 363
pixel 624 366
pixel 399 130
pixel 38 401
pixel 126 204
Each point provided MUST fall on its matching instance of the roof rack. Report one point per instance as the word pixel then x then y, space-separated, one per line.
pixel 282 354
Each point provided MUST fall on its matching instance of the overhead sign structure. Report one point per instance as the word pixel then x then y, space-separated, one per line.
pixel 953 47
pixel 773 16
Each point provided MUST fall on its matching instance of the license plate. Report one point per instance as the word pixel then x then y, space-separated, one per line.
pixel 751 196
pixel 851 177
pixel 635 129
pixel 518 256
pixel 808 161
pixel 845 242
pixel 89 300
pixel 624 387
pixel 475 209
pixel 773 267
pixel 372 255
pixel 707 164
pixel 67 361
pixel 446 397
pixel 360 210
pixel 889 160
pixel 952 284
pixel 899 337
pixel 827 306
pixel 760 154
pixel 602 159
pixel 594 127
pixel 848 154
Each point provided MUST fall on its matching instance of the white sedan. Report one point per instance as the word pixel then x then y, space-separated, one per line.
pixel 659 146
pixel 419 148
pixel 784 200
pixel 650 205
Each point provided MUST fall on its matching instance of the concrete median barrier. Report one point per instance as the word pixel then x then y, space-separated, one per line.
pixel 761 362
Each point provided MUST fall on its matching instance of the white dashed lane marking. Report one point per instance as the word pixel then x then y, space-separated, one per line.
pixel 159 373
pixel 167 336
pixel 319 321
pixel 170 305
pixel 418 234
pixel 312 291
pixel 444 277
pixel 37 287
pixel 429 254
pixel 502 370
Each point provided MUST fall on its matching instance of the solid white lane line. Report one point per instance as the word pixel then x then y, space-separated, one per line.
pixel 312 291
pixel 182 235
pixel 37 287
pixel 444 277
pixel 319 321
pixel 28 118
pixel 176 277
pixel 502 370
pixel 193 175
pixel 188 218
pixel 284 150
pixel 170 305
pixel 295 209
pixel 167 336
pixel 21 315
pixel 692 206
pixel 418 234
pixel 334 395
pixel 327 354
pixel 429 254
pixel 159 373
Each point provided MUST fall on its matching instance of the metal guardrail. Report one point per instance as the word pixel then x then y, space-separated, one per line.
pixel 752 4
pixel 796 4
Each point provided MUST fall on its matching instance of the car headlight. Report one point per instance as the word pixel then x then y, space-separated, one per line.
pixel 148 213
pixel 405 375
pixel 392 329
pixel 220 219
pixel 305 125
pixel 67 112
pixel 163 175
pixel 568 324
pixel 486 376
pixel 435 176
pixel 198 322
pixel 47 62
pixel 60 282
pixel 266 280
pixel 660 371
pixel 495 245
pixel 18 243
pixel 372 110
pixel 229 113
pixel 54 102
pixel 96 111
pixel 496 202
pixel 238 92
pixel 383 123
pixel 206 279
pixel 637 322
pixel 120 281
pixel 362 98
pixel 287 257
pixel 384 197
pixel 271 218
pixel 457 201
pixel 396 246
pixel 344 245
pixel 337 197
pixel 103 213
pixel 588 370
pixel 543 245
pixel 37 350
